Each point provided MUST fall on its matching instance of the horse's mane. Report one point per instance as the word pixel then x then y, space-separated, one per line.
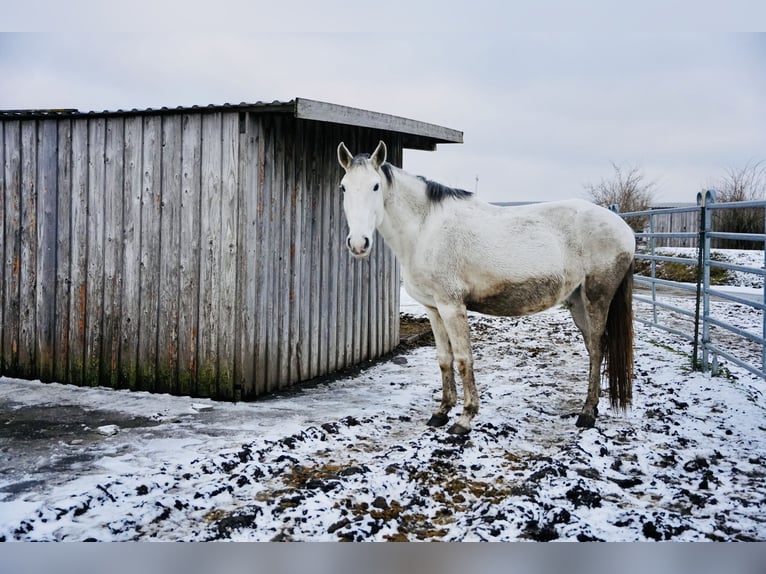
pixel 435 192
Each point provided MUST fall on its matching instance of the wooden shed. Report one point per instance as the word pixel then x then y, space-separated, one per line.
pixel 195 251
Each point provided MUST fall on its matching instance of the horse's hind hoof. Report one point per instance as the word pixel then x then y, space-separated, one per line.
pixel 458 429
pixel 585 421
pixel 438 420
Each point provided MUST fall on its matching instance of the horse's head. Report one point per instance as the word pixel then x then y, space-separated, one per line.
pixel 362 187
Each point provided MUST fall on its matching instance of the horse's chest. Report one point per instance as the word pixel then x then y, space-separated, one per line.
pixel 516 298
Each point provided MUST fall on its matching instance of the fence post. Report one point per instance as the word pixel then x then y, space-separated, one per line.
pixel 707 218
pixel 700 248
pixel 653 267
pixel 763 315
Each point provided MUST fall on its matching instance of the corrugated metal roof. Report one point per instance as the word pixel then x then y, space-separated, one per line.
pixel 301 108
pixel 70 112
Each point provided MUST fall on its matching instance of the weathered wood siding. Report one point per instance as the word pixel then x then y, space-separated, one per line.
pixel 687 222
pixel 188 253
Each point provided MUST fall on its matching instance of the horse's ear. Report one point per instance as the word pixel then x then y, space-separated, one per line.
pixel 344 156
pixel 379 155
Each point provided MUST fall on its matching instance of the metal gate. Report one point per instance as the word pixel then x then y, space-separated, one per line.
pixel 711 336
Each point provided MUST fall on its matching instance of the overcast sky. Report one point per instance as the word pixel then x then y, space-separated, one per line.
pixel 542 114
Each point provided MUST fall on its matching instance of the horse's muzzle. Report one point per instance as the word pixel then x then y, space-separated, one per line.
pixel 359 248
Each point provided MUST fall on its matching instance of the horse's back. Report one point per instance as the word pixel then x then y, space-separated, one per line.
pixel 567 228
pixel 520 260
pixel 580 227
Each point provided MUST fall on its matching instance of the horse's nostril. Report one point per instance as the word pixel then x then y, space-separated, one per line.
pixel 358 247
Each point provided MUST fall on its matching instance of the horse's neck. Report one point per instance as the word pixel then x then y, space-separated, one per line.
pixel 406 209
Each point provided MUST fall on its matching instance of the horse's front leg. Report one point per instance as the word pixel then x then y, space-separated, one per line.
pixel 455 318
pixel 444 355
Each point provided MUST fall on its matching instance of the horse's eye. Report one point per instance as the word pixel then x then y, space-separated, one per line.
pixel 376 187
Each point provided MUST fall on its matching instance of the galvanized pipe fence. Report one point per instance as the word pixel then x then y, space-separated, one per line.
pixel 710 336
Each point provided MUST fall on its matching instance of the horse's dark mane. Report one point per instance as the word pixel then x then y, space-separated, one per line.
pixel 435 192
pixel 388 171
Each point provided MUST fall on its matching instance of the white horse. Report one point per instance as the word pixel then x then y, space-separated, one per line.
pixel 460 254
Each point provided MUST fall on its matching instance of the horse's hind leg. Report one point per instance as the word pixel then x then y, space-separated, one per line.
pixel 590 318
pixel 444 353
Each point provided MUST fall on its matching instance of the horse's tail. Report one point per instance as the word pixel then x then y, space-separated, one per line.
pixel 617 344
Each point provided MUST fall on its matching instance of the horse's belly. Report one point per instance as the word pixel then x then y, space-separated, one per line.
pixel 517 298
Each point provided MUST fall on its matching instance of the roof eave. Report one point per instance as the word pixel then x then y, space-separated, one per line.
pixel 322 111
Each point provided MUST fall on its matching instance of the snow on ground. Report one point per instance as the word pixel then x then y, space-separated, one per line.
pixel 352 459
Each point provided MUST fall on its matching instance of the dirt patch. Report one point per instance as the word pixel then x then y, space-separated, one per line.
pixel 415 332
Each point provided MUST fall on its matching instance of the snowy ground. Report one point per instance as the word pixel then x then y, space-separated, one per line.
pixel 353 459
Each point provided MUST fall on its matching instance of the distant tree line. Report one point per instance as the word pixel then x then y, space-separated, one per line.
pixel 630 190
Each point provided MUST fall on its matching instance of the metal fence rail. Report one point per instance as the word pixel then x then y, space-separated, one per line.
pixel 710 340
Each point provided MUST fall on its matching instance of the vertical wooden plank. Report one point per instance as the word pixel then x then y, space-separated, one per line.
pixel 28 292
pixel 303 295
pixel 46 176
pixel 385 309
pixel 210 255
pixel 3 210
pixel 170 237
pixel 268 316
pixel 333 239
pixel 114 179
pixel 114 191
pixel 78 286
pixel 228 256
pixel 95 268
pixel 276 223
pixel 295 147
pixel 247 233
pixel 188 318
pixel 349 320
pixel 263 282
pixel 370 298
pixel 63 251
pixel 315 293
pixel 283 239
pixel 12 254
pixel 328 285
pixel 150 252
pixel 396 285
pixel 130 308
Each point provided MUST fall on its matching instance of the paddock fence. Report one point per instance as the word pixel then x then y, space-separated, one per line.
pixel 706 315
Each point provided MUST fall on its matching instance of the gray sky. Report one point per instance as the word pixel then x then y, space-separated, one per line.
pixel 542 114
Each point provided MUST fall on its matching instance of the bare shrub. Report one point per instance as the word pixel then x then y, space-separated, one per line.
pixel 747 183
pixel 628 188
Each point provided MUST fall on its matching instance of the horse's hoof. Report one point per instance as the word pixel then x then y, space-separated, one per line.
pixel 585 421
pixel 438 420
pixel 458 429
